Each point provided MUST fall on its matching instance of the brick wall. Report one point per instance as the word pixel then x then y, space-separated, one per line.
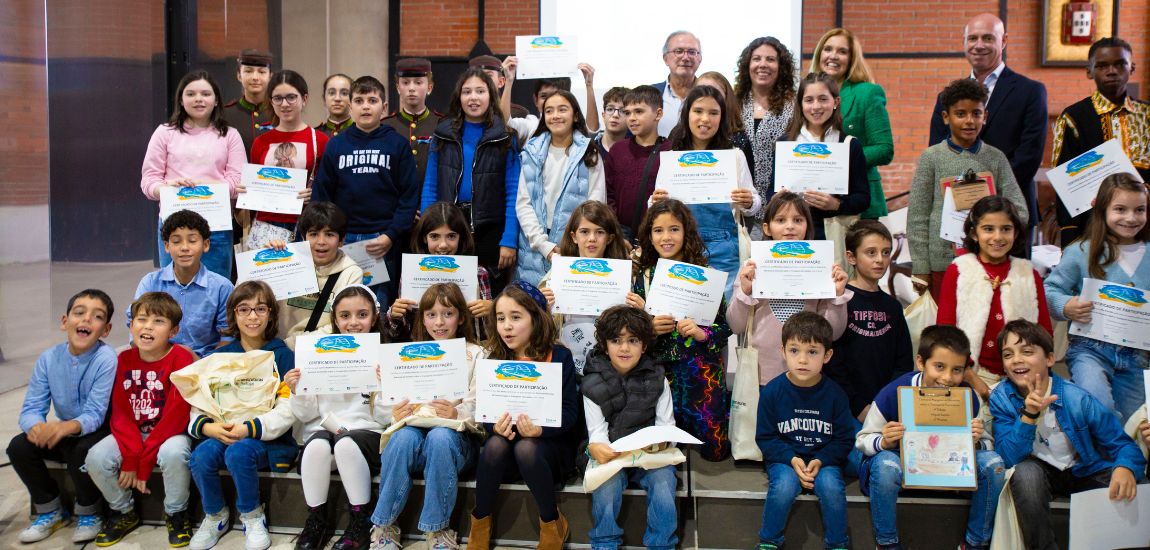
pixel 23 87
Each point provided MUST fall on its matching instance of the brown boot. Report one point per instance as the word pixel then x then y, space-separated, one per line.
pixel 479 538
pixel 552 534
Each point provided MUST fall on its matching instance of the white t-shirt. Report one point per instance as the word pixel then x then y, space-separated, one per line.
pixel 1129 256
pixel 1051 444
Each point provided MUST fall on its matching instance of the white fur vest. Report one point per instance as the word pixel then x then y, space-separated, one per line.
pixel 1018 295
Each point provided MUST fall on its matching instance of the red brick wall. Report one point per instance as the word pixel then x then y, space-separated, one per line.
pixel 449 27
pixel 23 108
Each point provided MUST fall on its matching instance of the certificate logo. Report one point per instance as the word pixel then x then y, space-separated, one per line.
pixel 684 272
pixel 429 351
pixel 269 173
pixel 194 193
pixel 1122 294
pixel 792 249
pixel 271 256
pixel 520 372
pixel 1082 163
pixel 598 268
pixel 816 150
pixel 546 42
pixel 445 264
pixel 367 277
pixel 336 344
pixel 705 159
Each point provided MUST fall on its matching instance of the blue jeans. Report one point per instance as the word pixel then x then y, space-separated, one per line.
pixel 387 292
pixel 886 482
pixel 243 459
pixel 784 487
pixel 104 462
pixel 721 235
pixel 440 454
pixel 1110 372
pixel 662 517
pixel 218 258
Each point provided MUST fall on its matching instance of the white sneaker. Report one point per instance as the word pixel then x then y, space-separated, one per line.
pixel 386 538
pixel 44 525
pixel 88 526
pixel 256 530
pixel 210 531
pixel 442 540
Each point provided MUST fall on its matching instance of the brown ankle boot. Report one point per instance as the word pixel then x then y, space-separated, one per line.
pixel 552 534
pixel 479 538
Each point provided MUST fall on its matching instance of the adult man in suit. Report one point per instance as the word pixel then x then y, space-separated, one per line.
pixel 682 54
pixel 1016 114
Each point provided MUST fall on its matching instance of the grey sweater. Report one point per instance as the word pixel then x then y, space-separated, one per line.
pixel 924 216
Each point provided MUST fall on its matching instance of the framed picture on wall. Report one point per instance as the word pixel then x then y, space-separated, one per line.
pixel 1070 26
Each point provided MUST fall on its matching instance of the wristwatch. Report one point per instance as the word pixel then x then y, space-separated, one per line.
pixel 1027 414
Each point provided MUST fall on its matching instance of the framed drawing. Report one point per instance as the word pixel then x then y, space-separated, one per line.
pixel 1070 26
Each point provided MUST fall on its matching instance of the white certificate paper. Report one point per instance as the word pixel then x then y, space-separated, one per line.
pixel 337 363
pixel 588 286
pixel 272 189
pixel 952 219
pixel 424 371
pixel 290 272
pixel 546 56
pixel 515 387
pixel 1077 181
pixel 1120 316
pixel 1098 522
pixel 698 177
pixel 686 291
pixel 803 166
pixel 793 269
pixel 652 435
pixel 423 270
pixel 374 270
pixel 209 200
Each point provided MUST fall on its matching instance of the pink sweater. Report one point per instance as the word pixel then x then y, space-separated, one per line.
pixel 767 337
pixel 200 155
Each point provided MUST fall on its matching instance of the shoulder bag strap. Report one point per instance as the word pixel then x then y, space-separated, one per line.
pixel 644 191
pixel 321 303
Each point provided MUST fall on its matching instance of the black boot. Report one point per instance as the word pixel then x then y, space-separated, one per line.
pixel 357 536
pixel 316 530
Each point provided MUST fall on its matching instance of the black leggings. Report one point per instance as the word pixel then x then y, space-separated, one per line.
pixel 538 464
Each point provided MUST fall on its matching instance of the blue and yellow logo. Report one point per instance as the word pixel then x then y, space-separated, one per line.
pixel 546 42
pixel 367 277
pixel 1122 294
pixel 195 193
pixel 336 344
pixel 271 256
pixel 1084 161
pixel 684 272
pixel 792 249
pixel 585 266
pixel 273 174
pixel 438 263
pixel 698 158
pixel 520 372
pixel 817 150
pixel 428 351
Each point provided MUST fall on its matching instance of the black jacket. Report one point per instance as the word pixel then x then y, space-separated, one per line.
pixel 628 402
pixel 488 174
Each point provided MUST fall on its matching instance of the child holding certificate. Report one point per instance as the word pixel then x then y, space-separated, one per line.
pixel 997 286
pixel 540 456
pixel 943 354
pixel 1114 250
pixel 692 355
pixel 787 218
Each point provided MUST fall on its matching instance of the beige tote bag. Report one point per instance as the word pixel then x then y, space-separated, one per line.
pixel 230 387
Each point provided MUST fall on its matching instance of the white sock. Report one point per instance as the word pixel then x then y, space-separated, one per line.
pixel 315 471
pixel 353 471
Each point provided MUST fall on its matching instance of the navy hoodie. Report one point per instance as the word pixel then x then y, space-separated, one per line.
pixel 372 177
pixel 809 423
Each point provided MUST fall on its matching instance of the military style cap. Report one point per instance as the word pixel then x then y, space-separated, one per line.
pixel 254 57
pixel 413 66
pixel 487 63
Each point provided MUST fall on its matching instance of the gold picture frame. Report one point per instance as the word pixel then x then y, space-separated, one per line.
pixel 1057 53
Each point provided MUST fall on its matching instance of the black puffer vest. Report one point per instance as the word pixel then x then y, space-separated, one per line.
pixel 628 402
pixel 488 173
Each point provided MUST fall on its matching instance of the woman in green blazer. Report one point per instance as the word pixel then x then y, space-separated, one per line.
pixel 863 104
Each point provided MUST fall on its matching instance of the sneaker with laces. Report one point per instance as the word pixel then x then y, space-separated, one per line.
pixel 442 540
pixel 256 535
pixel 88 527
pixel 44 525
pixel 768 546
pixel 211 529
pixel 118 526
pixel 316 531
pixel 357 534
pixel 179 527
pixel 385 537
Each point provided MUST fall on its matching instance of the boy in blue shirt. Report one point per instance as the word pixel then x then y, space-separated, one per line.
pixel 805 430
pixel 75 379
pixel 202 294
pixel 943 356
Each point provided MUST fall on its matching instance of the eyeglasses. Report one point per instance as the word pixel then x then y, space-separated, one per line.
pixel 244 311
pixel 684 51
pixel 281 99
pixel 612 111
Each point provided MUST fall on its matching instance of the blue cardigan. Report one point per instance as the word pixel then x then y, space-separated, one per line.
pixel 1065 282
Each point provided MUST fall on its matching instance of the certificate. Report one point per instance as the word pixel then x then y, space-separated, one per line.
pixel 1120 314
pixel 803 166
pixel 374 270
pixel 424 371
pixel 686 291
pixel 1077 181
pixel 954 217
pixel 337 363
pixel 588 286
pixel 272 189
pixel 937 448
pixel 793 269
pixel 698 177
pixel 209 200
pixel 1098 522
pixel 519 387
pixel 420 271
pixel 546 56
pixel 653 435
pixel 290 272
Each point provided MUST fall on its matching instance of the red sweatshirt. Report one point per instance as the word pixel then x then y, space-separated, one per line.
pixel 144 403
pixel 287 150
